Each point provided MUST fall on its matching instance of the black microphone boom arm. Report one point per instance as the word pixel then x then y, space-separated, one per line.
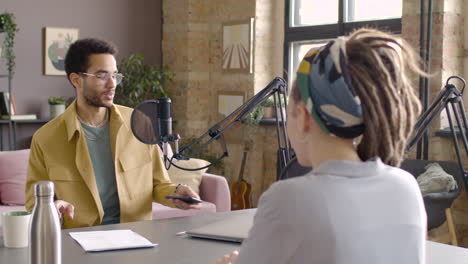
pixel 449 95
pixel 275 88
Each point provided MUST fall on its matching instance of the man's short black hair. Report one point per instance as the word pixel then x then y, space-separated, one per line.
pixel 77 57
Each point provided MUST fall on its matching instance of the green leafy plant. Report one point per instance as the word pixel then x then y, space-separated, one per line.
pixel 269 102
pixel 8 25
pixel 141 81
pixel 254 117
pixel 269 107
pixel 53 100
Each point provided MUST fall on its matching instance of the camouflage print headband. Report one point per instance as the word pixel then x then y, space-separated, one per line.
pixel 326 89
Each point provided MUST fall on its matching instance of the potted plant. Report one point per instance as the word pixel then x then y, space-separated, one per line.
pixel 269 108
pixel 254 117
pixel 57 106
pixel 8 25
pixel 141 81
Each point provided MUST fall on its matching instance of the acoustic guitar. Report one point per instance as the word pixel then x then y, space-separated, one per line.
pixel 240 190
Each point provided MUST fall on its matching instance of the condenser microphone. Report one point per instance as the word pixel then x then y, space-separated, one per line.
pixel 164 119
pixel 165 122
pixel 151 123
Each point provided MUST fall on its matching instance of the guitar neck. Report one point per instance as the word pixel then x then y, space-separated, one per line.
pixel 241 173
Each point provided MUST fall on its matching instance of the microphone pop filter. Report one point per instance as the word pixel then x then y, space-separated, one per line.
pixel 145 122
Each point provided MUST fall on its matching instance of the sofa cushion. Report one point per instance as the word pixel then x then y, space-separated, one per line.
pixel 162 212
pixel 13 170
pixel 191 178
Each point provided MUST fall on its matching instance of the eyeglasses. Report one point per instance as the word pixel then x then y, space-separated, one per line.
pixel 106 76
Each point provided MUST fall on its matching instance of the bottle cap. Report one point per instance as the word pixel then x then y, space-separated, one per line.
pixel 44 188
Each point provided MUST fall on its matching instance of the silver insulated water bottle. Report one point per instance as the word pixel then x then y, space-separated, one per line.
pixel 45 239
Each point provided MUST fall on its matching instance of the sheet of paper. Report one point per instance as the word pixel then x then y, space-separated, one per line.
pixel 110 240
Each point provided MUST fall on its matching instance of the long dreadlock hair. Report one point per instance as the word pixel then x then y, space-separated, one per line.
pixel 379 65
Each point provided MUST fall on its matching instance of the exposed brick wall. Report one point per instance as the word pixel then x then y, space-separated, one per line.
pixel 268 63
pixel 192 48
pixel 446 60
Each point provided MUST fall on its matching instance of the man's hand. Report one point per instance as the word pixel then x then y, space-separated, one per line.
pixel 183 190
pixel 228 259
pixel 64 208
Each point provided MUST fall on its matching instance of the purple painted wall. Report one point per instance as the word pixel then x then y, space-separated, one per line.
pixel 133 25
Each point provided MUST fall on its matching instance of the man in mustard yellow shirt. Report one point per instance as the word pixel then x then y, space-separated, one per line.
pixel 102 173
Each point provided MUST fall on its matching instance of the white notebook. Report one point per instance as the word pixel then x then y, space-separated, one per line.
pixel 110 240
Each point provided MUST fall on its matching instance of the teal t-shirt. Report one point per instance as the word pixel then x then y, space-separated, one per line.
pixel 99 147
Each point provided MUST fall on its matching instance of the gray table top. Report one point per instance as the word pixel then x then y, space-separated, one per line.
pixel 181 249
pixel 171 248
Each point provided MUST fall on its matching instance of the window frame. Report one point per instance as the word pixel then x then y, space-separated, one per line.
pixel 329 31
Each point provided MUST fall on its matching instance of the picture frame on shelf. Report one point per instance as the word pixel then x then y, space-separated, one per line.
pixel 56 44
pixel 228 101
pixel 238 41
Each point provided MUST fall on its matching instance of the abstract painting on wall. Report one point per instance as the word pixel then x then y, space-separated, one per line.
pixel 56 44
pixel 238 46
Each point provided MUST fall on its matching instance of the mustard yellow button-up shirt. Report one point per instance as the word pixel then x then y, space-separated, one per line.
pixel 59 153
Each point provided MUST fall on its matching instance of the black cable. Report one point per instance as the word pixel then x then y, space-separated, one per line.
pixel 201 168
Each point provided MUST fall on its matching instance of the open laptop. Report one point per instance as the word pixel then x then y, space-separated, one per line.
pixel 234 229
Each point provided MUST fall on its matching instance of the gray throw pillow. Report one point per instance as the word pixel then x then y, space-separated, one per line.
pixel 435 180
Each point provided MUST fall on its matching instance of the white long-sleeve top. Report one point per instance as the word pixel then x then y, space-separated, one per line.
pixel 342 212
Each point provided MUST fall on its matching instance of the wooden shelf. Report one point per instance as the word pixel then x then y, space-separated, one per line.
pixel 32 121
pixel 447 133
pixel 14 125
pixel 268 122
pixel 25 121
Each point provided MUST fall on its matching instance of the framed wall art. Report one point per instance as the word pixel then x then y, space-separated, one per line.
pixel 56 44
pixel 227 103
pixel 238 40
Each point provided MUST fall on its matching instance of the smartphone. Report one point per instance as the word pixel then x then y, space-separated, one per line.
pixel 189 200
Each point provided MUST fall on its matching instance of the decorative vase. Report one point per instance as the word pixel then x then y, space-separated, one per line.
pixel 56 110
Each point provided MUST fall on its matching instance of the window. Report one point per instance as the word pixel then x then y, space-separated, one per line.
pixel 306 13
pixel 362 10
pixel 311 23
pixel 297 51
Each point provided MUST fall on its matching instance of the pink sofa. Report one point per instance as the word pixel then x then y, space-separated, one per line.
pixel 214 190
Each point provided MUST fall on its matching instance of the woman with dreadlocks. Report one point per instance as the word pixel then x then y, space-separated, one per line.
pixel 350 114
